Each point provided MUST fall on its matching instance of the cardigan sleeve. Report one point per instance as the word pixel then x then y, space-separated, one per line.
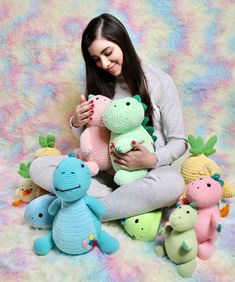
pixel 171 115
pixel 77 131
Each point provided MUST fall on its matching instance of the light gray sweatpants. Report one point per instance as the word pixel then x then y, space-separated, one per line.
pixel 161 187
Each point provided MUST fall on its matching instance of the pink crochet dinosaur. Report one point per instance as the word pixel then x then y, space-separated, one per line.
pixel 94 141
pixel 206 192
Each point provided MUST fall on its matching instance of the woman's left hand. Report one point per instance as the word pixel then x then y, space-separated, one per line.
pixel 138 158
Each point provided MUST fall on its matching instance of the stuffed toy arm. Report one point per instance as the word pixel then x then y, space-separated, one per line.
pixel 96 206
pixel 122 146
pixel 125 145
pixel 216 223
pixel 186 246
pixel 85 143
pixel 165 230
pixel 54 207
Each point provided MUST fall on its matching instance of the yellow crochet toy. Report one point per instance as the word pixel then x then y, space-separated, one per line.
pixel 47 147
pixel 198 165
pixel 27 190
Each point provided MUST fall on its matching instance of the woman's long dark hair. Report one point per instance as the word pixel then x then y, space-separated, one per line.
pixel 99 81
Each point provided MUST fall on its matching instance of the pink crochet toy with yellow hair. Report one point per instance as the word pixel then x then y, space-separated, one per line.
pixel 94 141
pixel 206 192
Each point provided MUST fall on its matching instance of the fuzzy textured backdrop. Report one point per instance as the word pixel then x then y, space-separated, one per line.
pixel 41 78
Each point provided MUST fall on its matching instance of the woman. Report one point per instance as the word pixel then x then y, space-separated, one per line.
pixel 113 69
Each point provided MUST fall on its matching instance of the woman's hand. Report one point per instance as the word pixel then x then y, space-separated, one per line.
pixel 83 112
pixel 138 158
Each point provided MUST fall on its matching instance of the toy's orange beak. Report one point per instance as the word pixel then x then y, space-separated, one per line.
pixel 26 192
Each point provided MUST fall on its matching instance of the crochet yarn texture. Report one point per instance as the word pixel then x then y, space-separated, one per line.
pixel 124 117
pixel 206 193
pixel 180 243
pixel 76 227
pixel 94 140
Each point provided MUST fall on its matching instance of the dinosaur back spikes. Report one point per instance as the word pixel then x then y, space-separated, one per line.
pixel 150 129
pixel 145 121
pixel 138 98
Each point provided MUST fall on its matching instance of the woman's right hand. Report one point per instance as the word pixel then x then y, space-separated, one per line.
pixel 83 112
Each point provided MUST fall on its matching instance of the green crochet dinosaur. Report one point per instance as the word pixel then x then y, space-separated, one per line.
pixel 126 121
pixel 180 243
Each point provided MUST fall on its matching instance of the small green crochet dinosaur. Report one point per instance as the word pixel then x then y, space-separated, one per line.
pixel 126 121
pixel 180 243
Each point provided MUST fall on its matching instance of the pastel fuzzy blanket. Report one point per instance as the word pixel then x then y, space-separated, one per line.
pixel 41 78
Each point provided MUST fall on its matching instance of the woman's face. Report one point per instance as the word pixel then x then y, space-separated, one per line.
pixel 107 55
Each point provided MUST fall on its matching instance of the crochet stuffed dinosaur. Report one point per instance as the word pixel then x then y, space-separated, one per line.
pixel 95 138
pixel 76 227
pixel 180 243
pixel 125 119
pixel 199 164
pixel 206 192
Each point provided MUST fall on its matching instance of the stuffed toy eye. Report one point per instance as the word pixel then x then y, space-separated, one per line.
pixel 128 103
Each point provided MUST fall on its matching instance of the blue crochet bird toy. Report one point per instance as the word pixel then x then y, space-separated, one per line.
pixel 76 227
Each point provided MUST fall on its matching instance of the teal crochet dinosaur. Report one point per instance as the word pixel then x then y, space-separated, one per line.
pixel 125 119
pixel 76 227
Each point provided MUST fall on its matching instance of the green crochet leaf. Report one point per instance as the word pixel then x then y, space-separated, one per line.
pixel 23 166
pixel 193 142
pixel 200 141
pixel 24 170
pixel 43 141
pixel 198 147
pixel 209 152
pixel 195 152
pixel 210 144
pixel 51 141
pixel 28 165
